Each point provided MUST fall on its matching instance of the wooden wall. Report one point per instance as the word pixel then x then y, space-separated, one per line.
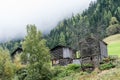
pixel 103 50
pixel 67 53
pixel 57 53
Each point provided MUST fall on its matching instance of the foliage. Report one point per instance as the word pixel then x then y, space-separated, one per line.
pixel 62 40
pixel 57 70
pixel 7 69
pixel 107 72
pixel 114 27
pixel 101 15
pixel 63 71
pixel 109 62
pixel 110 58
pixel 17 62
pixel 21 73
pixel 87 65
pixel 73 67
pixel 106 66
pixel 11 45
pixel 37 54
pixel 113 57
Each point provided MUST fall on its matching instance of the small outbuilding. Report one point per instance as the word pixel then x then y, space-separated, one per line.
pixel 92 51
pixel 62 55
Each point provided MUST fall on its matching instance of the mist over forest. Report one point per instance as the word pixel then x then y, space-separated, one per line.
pixel 15 15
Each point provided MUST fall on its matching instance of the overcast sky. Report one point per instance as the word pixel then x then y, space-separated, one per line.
pixel 45 14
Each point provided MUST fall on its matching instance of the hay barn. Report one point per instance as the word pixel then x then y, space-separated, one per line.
pixel 92 51
pixel 62 55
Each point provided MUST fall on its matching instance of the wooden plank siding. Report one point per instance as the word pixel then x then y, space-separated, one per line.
pixel 92 51
pixel 67 53
pixel 103 49
pixel 61 55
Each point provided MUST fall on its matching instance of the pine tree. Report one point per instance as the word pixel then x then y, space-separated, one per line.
pixel 62 39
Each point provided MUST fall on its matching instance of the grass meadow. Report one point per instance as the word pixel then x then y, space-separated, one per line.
pixel 113 44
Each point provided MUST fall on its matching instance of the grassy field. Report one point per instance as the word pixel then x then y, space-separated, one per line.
pixel 113 44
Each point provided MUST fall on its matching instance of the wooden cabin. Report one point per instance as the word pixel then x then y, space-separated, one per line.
pixel 62 55
pixel 92 51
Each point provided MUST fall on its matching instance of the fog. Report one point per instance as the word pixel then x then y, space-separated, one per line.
pixel 45 14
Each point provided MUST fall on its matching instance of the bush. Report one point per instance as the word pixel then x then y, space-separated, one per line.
pixel 73 67
pixel 57 70
pixel 106 66
pixel 21 73
pixel 113 57
pixel 87 65
pixel 113 29
pixel 63 71
pixel 116 63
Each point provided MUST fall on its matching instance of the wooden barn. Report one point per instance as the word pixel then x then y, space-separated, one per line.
pixel 92 51
pixel 62 55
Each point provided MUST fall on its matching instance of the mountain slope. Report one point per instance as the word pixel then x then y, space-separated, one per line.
pixel 93 21
pixel 113 44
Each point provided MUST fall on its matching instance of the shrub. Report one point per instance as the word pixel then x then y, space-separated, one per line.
pixel 113 57
pixel 69 69
pixel 22 73
pixel 116 63
pixel 87 65
pixel 73 67
pixel 65 73
pixel 106 66
pixel 113 29
pixel 57 70
pixel 105 60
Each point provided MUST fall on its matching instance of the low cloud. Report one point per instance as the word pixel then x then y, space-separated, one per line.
pixel 45 14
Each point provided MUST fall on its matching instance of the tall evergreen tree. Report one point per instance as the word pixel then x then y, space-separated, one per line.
pixel 62 39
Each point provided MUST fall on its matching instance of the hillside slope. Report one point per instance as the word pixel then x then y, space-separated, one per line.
pixel 110 74
pixel 113 44
pixel 94 20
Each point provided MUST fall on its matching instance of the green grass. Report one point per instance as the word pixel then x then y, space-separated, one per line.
pixel 113 44
pixel 114 48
